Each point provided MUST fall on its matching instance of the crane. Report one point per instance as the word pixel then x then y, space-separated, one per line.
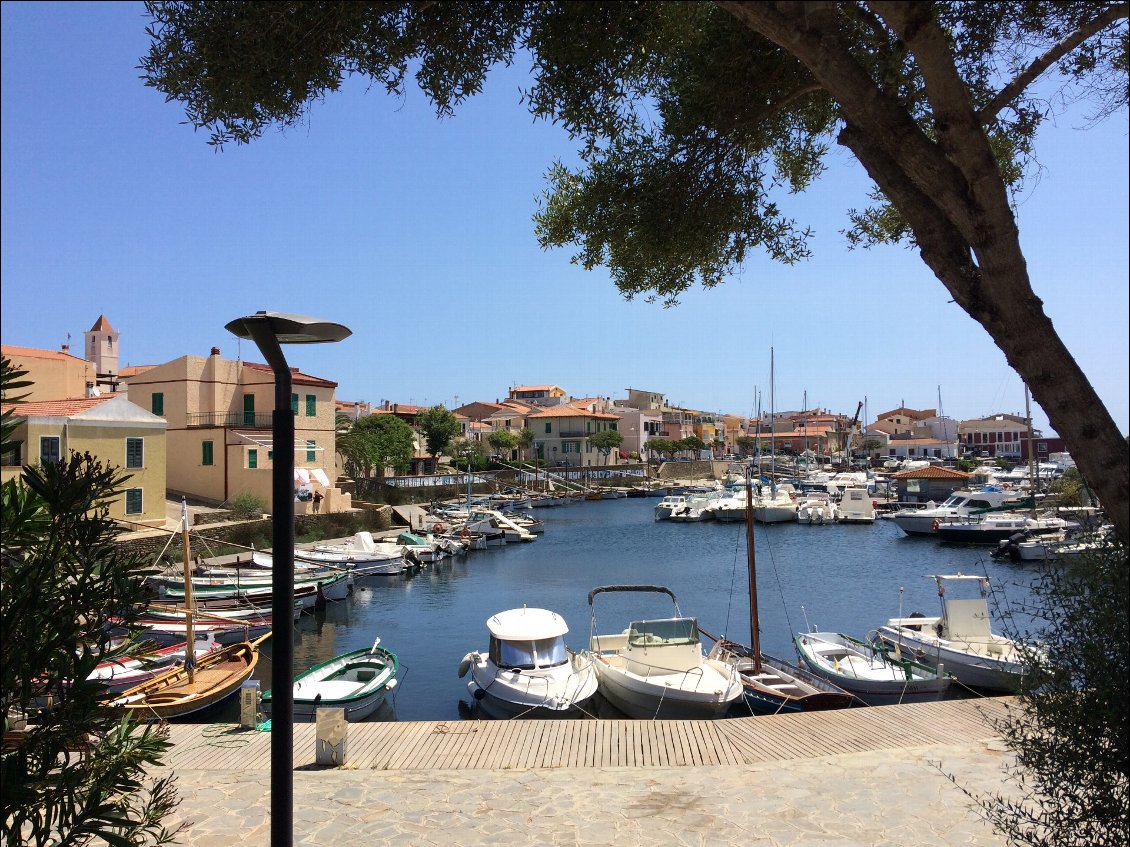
pixel 851 433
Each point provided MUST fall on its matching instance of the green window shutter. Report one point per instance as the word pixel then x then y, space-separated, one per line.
pixel 311 450
pixel 548 427
pixel 134 501
pixel 249 410
pixel 158 403
pixel 294 404
pixel 252 458
pixel 135 452
pixel 207 456
pixel 311 405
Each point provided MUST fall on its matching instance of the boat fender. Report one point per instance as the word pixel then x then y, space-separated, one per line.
pixel 936 524
pixel 437 528
pixel 465 665
pixel 391 684
pixel 479 694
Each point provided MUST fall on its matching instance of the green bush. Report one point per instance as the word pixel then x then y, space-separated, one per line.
pixel 246 505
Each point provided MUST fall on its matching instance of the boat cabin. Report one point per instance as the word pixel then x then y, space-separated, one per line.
pixel 527 639
pixel 669 645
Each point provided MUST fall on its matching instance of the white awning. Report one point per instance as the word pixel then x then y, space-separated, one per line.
pixel 304 475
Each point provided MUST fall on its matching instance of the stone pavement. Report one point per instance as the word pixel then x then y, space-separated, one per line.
pixel 868 799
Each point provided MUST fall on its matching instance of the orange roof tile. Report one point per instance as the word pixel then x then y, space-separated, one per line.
pixel 57 408
pixel 932 472
pixel 102 325
pixel 13 352
pixel 295 374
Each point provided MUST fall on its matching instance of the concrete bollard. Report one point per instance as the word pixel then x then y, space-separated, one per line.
pixel 330 733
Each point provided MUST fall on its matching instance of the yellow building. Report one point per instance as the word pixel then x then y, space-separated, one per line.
pixel 54 374
pixel 219 428
pixel 111 428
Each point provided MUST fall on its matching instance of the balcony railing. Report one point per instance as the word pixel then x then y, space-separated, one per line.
pixel 250 419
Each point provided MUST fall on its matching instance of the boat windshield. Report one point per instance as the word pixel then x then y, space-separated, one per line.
pixel 529 655
pixel 670 631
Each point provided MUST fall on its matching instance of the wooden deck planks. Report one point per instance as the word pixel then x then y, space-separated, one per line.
pixel 535 744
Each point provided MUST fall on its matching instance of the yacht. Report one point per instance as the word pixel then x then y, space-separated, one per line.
pixel 959 504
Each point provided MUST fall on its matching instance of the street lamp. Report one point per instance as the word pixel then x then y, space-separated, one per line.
pixel 269 330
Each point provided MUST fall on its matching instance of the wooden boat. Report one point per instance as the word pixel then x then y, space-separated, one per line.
pixel 870 672
pixel 772 685
pixel 192 688
pixel 127 672
pixel 356 682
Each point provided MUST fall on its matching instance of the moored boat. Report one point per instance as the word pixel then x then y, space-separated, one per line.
pixel 357 682
pixel 527 670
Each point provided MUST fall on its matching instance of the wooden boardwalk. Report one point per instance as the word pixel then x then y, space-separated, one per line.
pixel 531 744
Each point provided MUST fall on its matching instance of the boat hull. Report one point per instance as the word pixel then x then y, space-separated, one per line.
pixel 972 671
pixel 662 697
pixel 561 692
pixel 867 672
pixel 356 682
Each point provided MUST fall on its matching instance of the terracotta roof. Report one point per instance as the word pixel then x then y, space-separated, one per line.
pixel 913 414
pixel 572 412
pixel 35 353
pixel 57 408
pixel 102 325
pixel 932 472
pixel 296 375
pixel 535 388
pixel 134 370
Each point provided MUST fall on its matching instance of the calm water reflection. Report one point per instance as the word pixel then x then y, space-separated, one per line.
pixel 839 577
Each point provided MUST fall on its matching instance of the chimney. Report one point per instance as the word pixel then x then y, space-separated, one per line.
pixel 215 351
pixel 66 348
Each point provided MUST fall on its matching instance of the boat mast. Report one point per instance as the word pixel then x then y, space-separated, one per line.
pixel 773 427
pixel 1031 451
pixel 189 635
pixel 751 568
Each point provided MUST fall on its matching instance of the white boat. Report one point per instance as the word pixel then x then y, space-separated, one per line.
pixel 666 507
pixel 656 668
pixel 698 507
pixel 527 671
pixel 775 504
pixel 816 507
pixel 959 504
pixel 869 671
pixel 999 526
pixel 856 506
pixel 361 554
pixel 356 682
pixel 731 506
pixel 961 639
pixel 121 673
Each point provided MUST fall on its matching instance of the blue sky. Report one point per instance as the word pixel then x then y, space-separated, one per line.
pixel 416 233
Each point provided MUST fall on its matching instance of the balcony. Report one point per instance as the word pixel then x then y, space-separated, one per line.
pixel 580 433
pixel 229 419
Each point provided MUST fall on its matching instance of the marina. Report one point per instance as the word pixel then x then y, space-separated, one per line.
pixel 847 578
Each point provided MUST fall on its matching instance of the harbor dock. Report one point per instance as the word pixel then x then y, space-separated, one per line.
pixel 874 776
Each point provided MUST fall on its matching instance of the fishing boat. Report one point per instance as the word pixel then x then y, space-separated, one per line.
pixel 816 508
pixel 527 671
pixel 192 687
pixel 856 506
pixel 656 667
pixel 870 671
pixel 960 639
pixel 357 682
pixel 771 685
pixel 669 505
pixel 120 674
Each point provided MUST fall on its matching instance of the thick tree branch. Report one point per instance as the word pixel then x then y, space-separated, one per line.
pixel 988 113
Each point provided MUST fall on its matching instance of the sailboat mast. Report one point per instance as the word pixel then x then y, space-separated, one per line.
pixel 751 568
pixel 1031 451
pixel 189 635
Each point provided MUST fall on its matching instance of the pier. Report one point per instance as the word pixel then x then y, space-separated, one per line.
pixel 890 775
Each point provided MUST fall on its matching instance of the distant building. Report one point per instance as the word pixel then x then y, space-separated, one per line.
pixel 539 395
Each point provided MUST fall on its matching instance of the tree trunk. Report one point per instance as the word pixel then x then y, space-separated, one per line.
pixel 951 194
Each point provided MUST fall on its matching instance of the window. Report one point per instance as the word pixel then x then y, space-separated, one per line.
pixel 311 405
pixel 311 451
pixel 158 404
pixel 134 501
pixel 548 427
pixel 249 410
pixel 207 455
pixel 135 452
pixel 294 404
pixel 252 458
pixel 13 456
pixel 49 449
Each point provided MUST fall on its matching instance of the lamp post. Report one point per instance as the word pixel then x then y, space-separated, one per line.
pixel 269 330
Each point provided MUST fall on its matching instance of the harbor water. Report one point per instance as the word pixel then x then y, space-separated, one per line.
pixel 843 577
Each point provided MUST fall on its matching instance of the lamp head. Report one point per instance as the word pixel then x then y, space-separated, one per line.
pixel 289 329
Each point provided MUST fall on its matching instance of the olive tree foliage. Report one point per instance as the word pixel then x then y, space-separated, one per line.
pixel 78 771
pixel 1070 732
pixel 439 427
pixel 693 118
pixel 502 441
pixel 374 443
